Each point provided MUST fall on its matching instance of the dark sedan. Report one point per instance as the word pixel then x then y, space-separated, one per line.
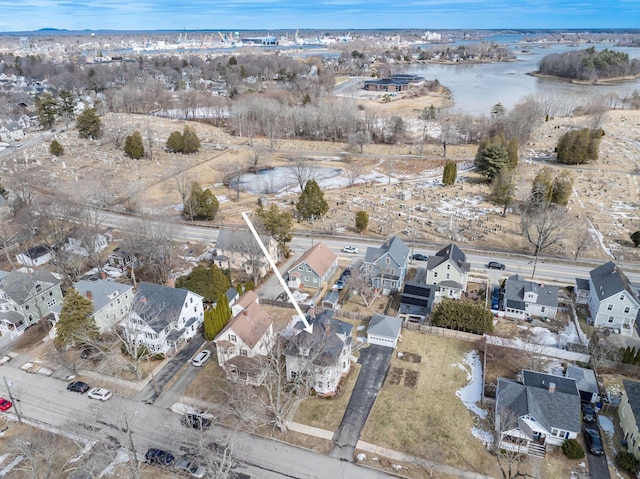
pixel 495 265
pixel 78 387
pixel 594 441
pixel 159 457
pixel 195 421
pixel 420 257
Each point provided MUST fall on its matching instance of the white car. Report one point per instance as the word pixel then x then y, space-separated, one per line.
pixel 191 468
pixel 350 249
pixel 100 394
pixel 201 358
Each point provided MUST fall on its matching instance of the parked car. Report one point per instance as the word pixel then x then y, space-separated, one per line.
pixel 495 265
pixel 78 387
pixel 195 421
pixel 420 257
pixel 495 298
pixel 101 394
pixel 5 404
pixel 190 468
pixel 588 413
pixel 201 358
pixel 159 457
pixel 350 249
pixel 340 283
pixel 594 441
pixel 346 272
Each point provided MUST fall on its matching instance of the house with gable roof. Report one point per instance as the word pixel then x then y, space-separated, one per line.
pixel 612 301
pixel 524 299
pixel 448 270
pixel 239 250
pixel 163 318
pixel 322 356
pixel 26 298
pixel 314 268
pixel 384 330
pixel 112 301
pixel 245 342
pixel 542 409
pixel 35 256
pixel 629 415
pixel 386 266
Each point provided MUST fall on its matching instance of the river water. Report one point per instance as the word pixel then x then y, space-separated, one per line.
pixel 477 87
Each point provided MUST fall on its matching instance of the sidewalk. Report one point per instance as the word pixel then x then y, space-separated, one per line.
pixel 390 454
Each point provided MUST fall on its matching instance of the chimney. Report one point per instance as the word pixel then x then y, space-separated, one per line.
pixel 244 312
pixel 89 295
pixel 552 387
pixel 171 282
pixel 103 275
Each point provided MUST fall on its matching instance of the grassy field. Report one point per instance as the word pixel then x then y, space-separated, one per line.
pixel 428 420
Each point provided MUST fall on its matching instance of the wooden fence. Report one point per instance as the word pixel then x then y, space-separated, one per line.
pixel 447 333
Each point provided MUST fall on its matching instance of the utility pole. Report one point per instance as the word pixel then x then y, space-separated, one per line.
pixel 8 383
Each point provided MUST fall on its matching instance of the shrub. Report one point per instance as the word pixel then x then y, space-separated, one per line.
pixel 572 449
pixel 627 461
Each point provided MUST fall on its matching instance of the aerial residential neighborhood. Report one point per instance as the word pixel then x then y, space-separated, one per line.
pixel 316 253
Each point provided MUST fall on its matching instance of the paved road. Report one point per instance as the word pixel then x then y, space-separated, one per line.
pixel 123 421
pixel 598 466
pixel 375 362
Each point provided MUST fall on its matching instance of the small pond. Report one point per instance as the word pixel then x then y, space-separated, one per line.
pixel 279 178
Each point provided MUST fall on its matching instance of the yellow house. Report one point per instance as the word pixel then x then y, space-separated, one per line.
pixel 629 415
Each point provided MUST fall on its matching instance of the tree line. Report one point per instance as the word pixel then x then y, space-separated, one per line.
pixel 589 65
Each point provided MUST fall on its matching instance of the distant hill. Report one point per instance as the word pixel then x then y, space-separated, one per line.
pixel 589 65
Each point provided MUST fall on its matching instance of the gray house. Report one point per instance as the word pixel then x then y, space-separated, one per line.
pixel 542 409
pixel 386 266
pixel 314 268
pixel 111 301
pixel 26 298
pixel 416 301
pixel 524 299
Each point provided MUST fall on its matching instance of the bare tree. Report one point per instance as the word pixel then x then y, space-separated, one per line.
pixel 544 225
pixel 353 172
pixel 596 111
pixel 512 457
pixel 182 179
pixel 302 171
pixel 117 134
pixel 582 240
pixel 90 231
pixel 359 284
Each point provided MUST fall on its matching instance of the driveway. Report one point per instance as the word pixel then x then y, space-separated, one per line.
pixel 598 467
pixel 375 362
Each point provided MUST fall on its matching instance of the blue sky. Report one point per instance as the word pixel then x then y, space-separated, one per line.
pixel 25 15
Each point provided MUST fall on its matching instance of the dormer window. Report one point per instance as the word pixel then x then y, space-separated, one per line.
pixel 38 288
pixel 232 338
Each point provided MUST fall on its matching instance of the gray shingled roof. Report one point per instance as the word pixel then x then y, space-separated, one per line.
pixel 102 291
pixel 449 252
pixel 542 380
pixel 551 409
pixel 632 388
pixel 609 280
pixel 395 247
pixel 585 378
pixel 240 240
pixel 582 284
pixel 158 305
pixel 515 288
pixel 386 326
pixel 18 286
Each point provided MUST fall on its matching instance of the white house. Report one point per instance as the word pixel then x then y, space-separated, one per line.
pixel 612 302
pixel 163 318
pixel 93 244
pixel 35 257
pixel 542 409
pixel 112 301
pixel 245 342
pixel 448 270
pixel 322 356
pixel 239 250
pixel 523 299
pixel 384 330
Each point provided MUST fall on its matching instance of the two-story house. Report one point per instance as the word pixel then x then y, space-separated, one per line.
pixel 629 416
pixel 448 270
pixel 524 299
pixel 314 268
pixel 26 298
pixel 163 318
pixel 239 250
pixel 111 301
pixel 322 356
pixel 245 342
pixel 386 266
pixel 612 301
pixel 542 409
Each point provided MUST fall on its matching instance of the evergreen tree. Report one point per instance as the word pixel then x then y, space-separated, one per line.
pixel 209 325
pixel 503 188
pixel 190 141
pixel 542 187
pixel 3 192
pixel 66 103
pixel 133 146
pixel 561 188
pixel 311 204
pixel 635 237
pixel 201 204
pixel 209 283
pixel 174 142
pixel 362 221
pixel 579 146
pixel 279 224
pixel 76 321
pixel 46 109
pixel 463 316
pixel 56 149
pixel 491 158
pixel 450 173
pixel 89 125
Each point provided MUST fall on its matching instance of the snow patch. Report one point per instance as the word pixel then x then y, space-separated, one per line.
pixel 471 394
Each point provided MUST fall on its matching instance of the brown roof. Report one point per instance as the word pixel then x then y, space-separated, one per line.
pixel 319 258
pixel 246 299
pixel 251 323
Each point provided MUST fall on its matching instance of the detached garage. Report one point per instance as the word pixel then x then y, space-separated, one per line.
pixel 384 330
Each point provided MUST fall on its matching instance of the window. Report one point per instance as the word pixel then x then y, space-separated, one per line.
pixel 51 302
pixel 621 298
pixel 50 293
pixel 448 266
pixel 243 352
pixel 609 307
pixel 232 338
pixel 38 288
pixel 387 260
pixel 435 274
pixel 627 309
pixel 610 319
